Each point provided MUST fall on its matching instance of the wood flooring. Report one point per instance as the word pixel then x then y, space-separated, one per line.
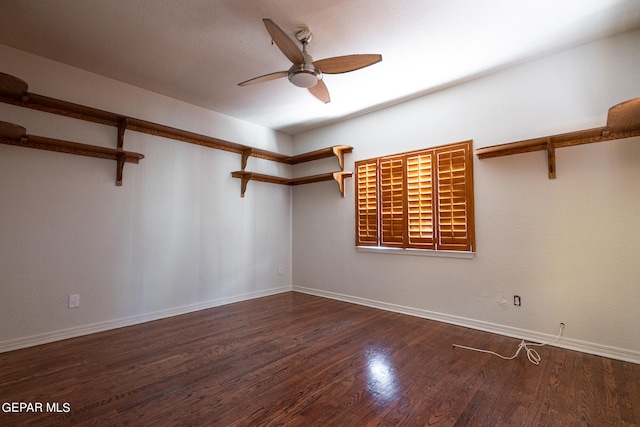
pixel 299 360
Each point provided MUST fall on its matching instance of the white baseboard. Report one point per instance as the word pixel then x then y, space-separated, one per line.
pixel 48 337
pixel 567 343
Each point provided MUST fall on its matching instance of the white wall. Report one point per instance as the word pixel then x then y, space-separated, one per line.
pixel 175 237
pixel 568 247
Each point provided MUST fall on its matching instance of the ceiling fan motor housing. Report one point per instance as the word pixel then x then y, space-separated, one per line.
pixel 304 75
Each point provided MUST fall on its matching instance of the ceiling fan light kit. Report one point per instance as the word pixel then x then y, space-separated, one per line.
pixel 304 75
pixel 305 72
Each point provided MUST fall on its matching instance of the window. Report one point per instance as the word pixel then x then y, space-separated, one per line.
pixel 420 200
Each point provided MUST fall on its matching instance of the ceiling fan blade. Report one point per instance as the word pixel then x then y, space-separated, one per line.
pixel 344 64
pixel 264 78
pixel 320 91
pixel 284 43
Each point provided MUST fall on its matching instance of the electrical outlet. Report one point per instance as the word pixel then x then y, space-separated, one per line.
pixel 517 301
pixel 74 301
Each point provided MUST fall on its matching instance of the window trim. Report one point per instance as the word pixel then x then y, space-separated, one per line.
pixel 393 221
pixel 442 253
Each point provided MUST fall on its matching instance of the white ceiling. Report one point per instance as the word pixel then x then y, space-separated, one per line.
pixel 199 50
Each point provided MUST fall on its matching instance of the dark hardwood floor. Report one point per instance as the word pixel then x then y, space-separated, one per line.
pixel 295 359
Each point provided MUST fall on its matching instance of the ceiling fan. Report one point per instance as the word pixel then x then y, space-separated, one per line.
pixel 305 72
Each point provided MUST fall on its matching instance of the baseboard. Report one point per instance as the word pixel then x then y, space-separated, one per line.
pixel 567 343
pixel 48 337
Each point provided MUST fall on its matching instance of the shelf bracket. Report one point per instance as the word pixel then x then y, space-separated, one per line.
pixel 339 152
pixel 120 155
pixel 120 161
pixel 243 185
pixel 245 156
pixel 339 178
pixel 551 158
pixel 122 126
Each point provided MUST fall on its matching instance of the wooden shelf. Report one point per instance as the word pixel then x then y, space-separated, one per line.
pixel 245 176
pixel 338 150
pixel 12 134
pixel 14 91
pixel 623 121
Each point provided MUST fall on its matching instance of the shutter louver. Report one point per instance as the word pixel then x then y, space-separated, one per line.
pixel 392 201
pixel 366 203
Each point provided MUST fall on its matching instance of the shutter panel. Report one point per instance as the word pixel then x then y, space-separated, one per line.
pixel 420 200
pixel 392 201
pixel 366 203
pixel 455 200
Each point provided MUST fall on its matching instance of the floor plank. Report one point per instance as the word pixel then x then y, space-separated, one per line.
pixel 296 359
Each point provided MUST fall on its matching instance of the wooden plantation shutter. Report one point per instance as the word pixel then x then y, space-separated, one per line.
pixel 419 200
pixel 455 197
pixel 367 203
pixel 392 204
pixel 420 204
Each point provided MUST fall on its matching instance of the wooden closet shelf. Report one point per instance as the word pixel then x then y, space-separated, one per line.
pixel 623 121
pixel 337 150
pixel 12 134
pixel 14 91
pixel 245 176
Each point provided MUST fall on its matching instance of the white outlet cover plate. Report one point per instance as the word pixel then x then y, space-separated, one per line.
pixel 74 301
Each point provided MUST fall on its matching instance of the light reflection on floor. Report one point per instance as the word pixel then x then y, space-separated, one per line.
pixel 382 380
